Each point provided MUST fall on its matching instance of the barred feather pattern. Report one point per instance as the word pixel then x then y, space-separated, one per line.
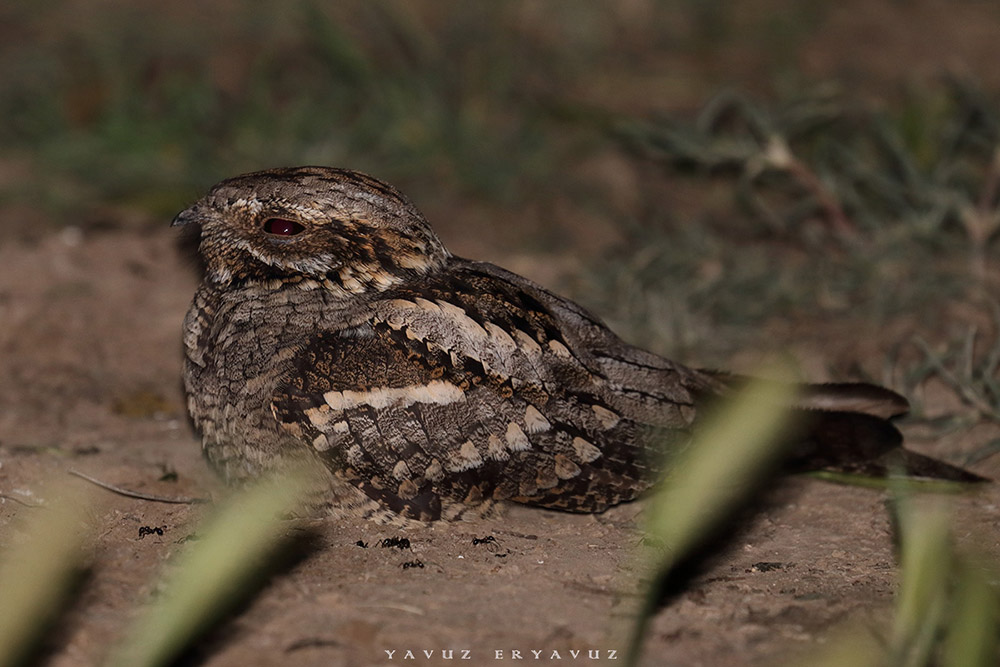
pixel 422 383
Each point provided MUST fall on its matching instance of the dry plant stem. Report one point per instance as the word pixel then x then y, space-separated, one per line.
pixel 985 217
pixel 5 496
pixel 974 399
pixel 835 215
pixel 135 494
pixel 986 206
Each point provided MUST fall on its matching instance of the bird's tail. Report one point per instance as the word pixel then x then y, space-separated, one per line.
pixel 847 428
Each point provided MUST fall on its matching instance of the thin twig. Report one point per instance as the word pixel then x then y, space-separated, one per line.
pixel 17 500
pixel 394 605
pixel 135 494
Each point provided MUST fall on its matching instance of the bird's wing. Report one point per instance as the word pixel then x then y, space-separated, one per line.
pixel 478 384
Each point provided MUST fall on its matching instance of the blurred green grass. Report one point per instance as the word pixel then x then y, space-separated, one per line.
pixel 580 129
pixel 709 480
pixel 147 105
pixel 236 553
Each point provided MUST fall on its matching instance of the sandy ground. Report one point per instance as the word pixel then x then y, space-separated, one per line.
pixel 90 355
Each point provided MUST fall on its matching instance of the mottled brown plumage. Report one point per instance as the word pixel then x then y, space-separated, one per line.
pixel 332 321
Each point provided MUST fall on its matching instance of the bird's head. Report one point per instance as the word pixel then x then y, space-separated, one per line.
pixel 317 224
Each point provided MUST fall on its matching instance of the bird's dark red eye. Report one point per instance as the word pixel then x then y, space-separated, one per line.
pixel 280 227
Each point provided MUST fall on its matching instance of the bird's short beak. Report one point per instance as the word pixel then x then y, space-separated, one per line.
pixel 186 217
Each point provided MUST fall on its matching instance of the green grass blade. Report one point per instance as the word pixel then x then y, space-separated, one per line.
pixel 925 565
pixel 715 472
pixel 971 640
pixel 848 647
pixel 234 546
pixel 36 573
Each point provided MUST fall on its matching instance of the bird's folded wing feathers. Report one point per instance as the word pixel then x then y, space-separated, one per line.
pixel 467 382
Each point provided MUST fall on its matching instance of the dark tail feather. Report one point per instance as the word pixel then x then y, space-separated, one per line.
pixel 845 427
pixel 869 399
pixel 860 397
pixel 861 444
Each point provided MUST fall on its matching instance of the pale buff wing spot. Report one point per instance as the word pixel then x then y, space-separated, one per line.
pixel 436 391
pixel 526 342
pixel 320 443
pixel 451 309
pixel 535 421
pixel 559 349
pixel 585 451
pixel 341 427
pixel 294 429
pixel 401 470
pixel 426 304
pixel 466 458
pixel 474 496
pixel 411 261
pixel 350 283
pixel 407 489
pixel 461 321
pixel 319 417
pixel 501 338
pixel 495 449
pixel 517 441
pixel 434 472
pixel 398 304
pixel 607 418
pixel 383 278
pixel 565 468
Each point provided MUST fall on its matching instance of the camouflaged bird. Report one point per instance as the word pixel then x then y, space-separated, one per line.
pixel 332 320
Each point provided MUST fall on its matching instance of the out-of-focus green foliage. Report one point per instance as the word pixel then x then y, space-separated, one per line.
pixel 214 572
pixel 710 478
pixel 824 156
pixel 238 542
pixel 947 604
pixel 38 568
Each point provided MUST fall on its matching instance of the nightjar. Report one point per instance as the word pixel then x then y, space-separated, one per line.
pixel 332 322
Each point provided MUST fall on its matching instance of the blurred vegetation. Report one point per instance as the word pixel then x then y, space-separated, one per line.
pixel 835 212
pixel 530 123
pixel 127 106
pixel 148 105
pixel 831 208
pixel 708 482
pixel 236 553
pixel 143 105
pixel 947 608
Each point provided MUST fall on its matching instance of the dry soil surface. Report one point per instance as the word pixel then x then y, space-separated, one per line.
pixel 90 358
